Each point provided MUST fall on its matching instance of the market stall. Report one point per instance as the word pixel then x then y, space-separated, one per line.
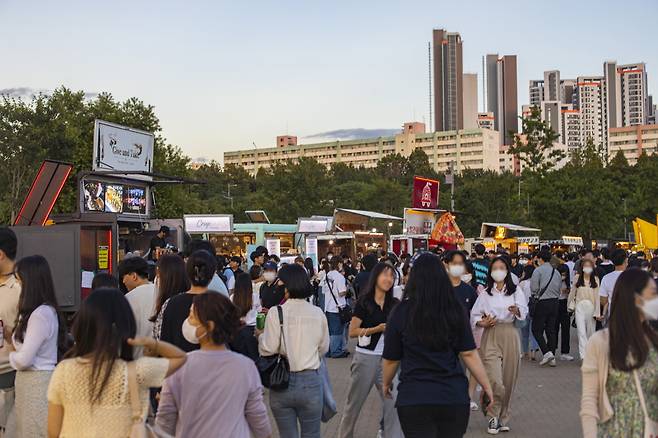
pixel 513 238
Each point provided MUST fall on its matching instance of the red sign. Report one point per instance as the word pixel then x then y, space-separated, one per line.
pixel 425 194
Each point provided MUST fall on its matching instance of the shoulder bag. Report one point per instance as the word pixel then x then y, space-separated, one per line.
pixel 650 426
pixel 275 370
pixel 532 303
pixel 344 312
pixel 139 428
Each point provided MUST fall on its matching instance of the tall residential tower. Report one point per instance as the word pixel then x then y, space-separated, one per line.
pixel 448 80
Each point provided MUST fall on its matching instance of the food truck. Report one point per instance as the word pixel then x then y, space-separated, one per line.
pixel 426 229
pixel 113 216
pixel 514 238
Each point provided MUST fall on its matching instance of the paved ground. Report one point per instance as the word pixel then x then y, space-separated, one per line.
pixel 545 404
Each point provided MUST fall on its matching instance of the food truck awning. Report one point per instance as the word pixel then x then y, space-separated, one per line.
pixel 512 227
pixel 368 214
pixel 336 236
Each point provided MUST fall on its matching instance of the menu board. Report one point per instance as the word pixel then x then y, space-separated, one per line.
pixel 114 198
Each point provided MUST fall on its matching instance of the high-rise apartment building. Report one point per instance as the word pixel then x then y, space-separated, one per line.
pixel 448 80
pixel 596 103
pixel 590 101
pixel 502 94
pixel 470 103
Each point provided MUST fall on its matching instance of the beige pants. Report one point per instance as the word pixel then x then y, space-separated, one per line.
pixel 500 351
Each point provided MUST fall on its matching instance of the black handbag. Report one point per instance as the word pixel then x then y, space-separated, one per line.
pixel 532 302
pixel 275 370
pixel 345 312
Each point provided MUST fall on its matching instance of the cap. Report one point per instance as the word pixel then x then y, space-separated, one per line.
pixel 270 266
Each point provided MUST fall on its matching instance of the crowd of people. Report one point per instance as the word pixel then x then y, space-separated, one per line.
pixel 185 344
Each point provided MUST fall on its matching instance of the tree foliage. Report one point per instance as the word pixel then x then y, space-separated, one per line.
pixel 588 197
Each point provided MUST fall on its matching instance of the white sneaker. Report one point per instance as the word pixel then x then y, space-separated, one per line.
pixel 380 434
pixel 494 426
pixel 549 356
pixel 552 363
pixel 566 357
pixel 504 428
pixel 474 406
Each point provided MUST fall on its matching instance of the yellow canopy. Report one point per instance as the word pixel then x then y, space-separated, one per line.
pixel 646 233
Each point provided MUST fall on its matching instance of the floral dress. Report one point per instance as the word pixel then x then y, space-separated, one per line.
pixel 628 418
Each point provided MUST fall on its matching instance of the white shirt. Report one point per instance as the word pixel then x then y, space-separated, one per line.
pixel 398 292
pixel 338 285
pixel 497 304
pixel 142 301
pixel 524 286
pixel 378 351
pixel 305 335
pixel 608 286
pixel 39 348
pixel 571 265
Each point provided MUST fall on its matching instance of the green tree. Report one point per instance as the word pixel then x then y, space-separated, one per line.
pixel 535 146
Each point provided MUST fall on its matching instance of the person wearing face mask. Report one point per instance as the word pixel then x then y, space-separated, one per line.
pixel 456 266
pixel 620 370
pixel 529 346
pixel 522 262
pixel 200 267
pixel 495 311
pixel 584 301
pixel 213 376
pixel 334 289
pixel 271 294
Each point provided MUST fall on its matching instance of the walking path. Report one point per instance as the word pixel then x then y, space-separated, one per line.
pixel 545 404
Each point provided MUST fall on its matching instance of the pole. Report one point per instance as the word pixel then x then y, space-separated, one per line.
pixel 625 222
pixel 452 187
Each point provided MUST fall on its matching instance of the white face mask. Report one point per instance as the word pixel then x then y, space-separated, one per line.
pixel 523 262
pixel 466 278
pixel 189 332
pixel 588 270
pixel 456 270
pixel 650 309
pixel 269 276
pixel 499 274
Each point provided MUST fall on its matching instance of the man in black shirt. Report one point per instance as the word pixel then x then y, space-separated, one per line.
pixel 234 263
pixel 456 266
pixel 271 293
pixel 480 265
pixel 158 241
pixel 361 280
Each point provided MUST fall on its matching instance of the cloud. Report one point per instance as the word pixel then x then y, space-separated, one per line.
pixel 353 134
pixel 29 93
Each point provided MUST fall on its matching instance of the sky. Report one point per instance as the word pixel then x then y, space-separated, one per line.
pixel 228 75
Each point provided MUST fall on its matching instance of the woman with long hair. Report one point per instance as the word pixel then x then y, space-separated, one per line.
pixel 39 334
pixel 427 333
pixel 248 304
pixel 88 393
pixel 584 300
pixel 368 324
pixel 217 392
pixel 200 268
pixel 170 279
pixel 495 311
pixel 304 340
pixel 620 370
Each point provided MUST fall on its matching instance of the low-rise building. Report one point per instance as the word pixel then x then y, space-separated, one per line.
pixel 466 148
pixel 633 141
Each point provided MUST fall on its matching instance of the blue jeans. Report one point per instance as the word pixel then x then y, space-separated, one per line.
pixel 301 402
pixel 336 335
pixel 528 337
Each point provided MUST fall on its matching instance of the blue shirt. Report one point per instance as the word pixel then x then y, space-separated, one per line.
pixel 427 376
pixel 480 271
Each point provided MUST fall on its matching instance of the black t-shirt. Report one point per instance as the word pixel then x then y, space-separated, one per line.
pixel 427 377
pixel 604 269
pixel 271 295
pixel 371 315
pixel 177 311
pixel 466 295
pixel 245 342
pixel 361 282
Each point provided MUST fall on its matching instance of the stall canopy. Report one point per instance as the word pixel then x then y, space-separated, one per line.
pixel 355 220
pixel 502 230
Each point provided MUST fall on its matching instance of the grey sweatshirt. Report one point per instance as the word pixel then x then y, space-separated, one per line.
pixel 540 279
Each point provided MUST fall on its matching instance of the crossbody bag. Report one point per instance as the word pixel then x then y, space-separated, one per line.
pixel 532 303
pixel 650 426
pixel 344 312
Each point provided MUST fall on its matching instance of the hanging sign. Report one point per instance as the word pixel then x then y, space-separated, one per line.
pixel 425 193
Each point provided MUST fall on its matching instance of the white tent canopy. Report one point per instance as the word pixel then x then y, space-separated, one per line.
pixel 369 214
